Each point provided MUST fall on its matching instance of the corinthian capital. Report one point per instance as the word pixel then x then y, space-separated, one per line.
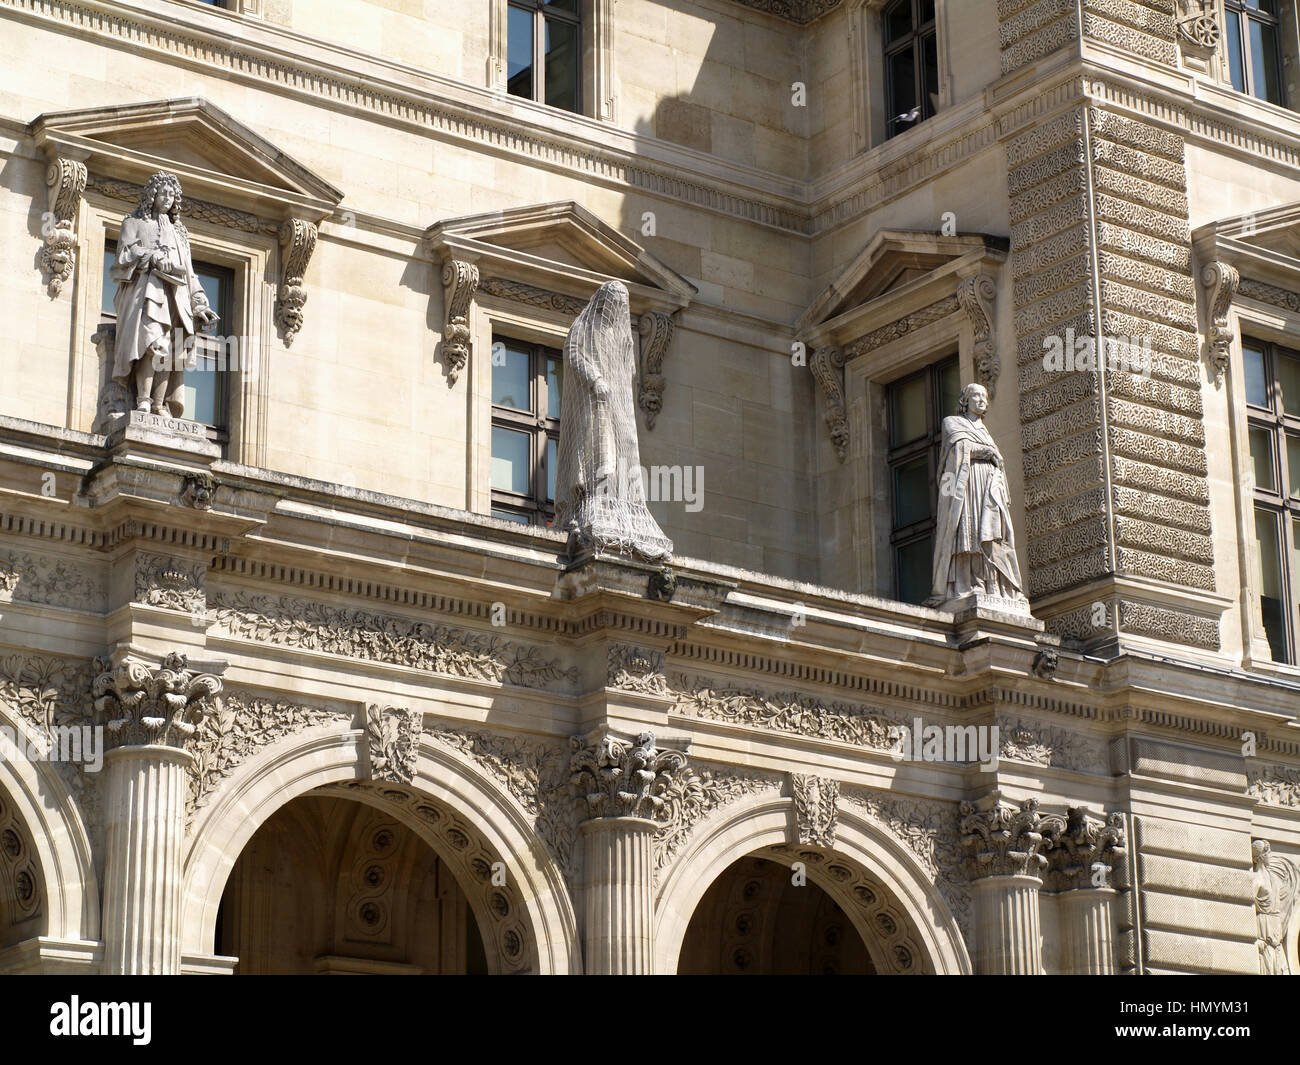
pixel 1082 850
pixel 1000 838
pixel 611 777
pixel 142 704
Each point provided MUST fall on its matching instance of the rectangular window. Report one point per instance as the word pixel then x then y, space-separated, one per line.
pixel 911 63
pixel 1273 411
pixel 527 382
pixel 207 386
pixel 1253 52
pixel 544 52
pixel 917 405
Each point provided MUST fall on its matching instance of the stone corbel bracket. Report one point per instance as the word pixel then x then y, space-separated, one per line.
pixel 459 283
pixel 1220 282
pixel 827 365
pixel 65 181
pixel 656 332
pixel 977 297
pixel 297 242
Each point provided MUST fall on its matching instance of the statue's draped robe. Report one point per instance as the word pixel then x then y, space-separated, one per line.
pixel 153 304
pixel 599 493
pixel 974 542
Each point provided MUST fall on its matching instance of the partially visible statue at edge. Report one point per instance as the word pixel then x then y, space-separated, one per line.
pixel 600 496
pixel 160 304
pixel 974 544
pixel 1276 881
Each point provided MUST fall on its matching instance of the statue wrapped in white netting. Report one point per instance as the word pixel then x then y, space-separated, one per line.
pixel 600 497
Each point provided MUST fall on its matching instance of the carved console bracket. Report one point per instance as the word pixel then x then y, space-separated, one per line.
pixel 656 331
pixel 297 242
pixel 1220 282
pixel 65 181
pixel 827 365
pixel 459 283
pixel 977 297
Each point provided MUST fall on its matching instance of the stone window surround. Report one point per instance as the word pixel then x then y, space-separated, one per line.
pixel 1215 67
pixel 868 94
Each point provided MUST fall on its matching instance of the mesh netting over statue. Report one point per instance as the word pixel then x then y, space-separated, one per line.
pixel 600 497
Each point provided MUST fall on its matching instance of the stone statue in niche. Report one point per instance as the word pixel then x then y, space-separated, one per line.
pixel 1276 881
pixel 600 496
pixel 974 544
pixel 160 304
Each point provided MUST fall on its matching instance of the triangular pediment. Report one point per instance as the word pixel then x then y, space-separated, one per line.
pixel 1261 245
pixel 896 263
pixel 561 246
pixel 215 156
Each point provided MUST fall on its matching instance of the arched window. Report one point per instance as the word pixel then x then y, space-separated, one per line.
pixel 911 63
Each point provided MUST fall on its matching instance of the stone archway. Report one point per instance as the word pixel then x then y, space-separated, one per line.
pixel 527 924
pixel 878 883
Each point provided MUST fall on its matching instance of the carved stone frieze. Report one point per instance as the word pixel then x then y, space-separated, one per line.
pixel 65 181
pixel 827 365
pixel 217 214
pixel 46 691
pixel 800 12
pixel 656 332
pixel 612 777
pixel 1220 282
pixel 636 669
pixel 297 242
pixel 1001 838
pixel 392 742
pixel 910 323
pixel 1031 741
pixel 142 704
pixel 1275 785
pixel 977 297
pixel 816 808
pixel 34 578
pixel 361 634
pixel 1266 293
pixel 693 795
pixel 520 292
pixel 1082 850
pixel 170 582
pixel 459 283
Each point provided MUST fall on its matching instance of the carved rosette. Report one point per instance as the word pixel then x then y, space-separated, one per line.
pixel 827 365
pixel 1221 282
pixel 65 181
pixel 142 704
pixel 1082 850
pixel 816 808
pixel 656 331
pixel 1000 838
pixel 459 283
pixel 977 297
pixel 297 242
pixel 611 777
pixel 392 740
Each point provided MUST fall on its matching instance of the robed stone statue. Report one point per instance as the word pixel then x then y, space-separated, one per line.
pixel 600 497
pixel 974 545
pixel 160 304
pixel 1276 886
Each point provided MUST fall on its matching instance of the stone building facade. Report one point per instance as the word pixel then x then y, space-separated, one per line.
pixel 359 711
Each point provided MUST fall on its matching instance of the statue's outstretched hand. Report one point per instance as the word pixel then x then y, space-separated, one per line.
pixel 205 316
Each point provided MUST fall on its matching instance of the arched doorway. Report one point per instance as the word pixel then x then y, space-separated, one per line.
pixel 331 885
pixel 757 918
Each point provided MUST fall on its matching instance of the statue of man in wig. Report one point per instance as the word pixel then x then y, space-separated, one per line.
pixel 974 544
pixel 160 304
pixel 600 498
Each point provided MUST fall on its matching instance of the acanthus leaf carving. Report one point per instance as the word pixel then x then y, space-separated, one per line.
pixel 65 181
pixel 656 332
pixel 392 743
pixel 459 283
pixel 1001 838
pixel 1221 282
pixel 977 297
pixel 297 242
pixel 143 704
pixel 1082 850
pixel 692 796
pixel 613 777
pixel 827 365
pixel 816 808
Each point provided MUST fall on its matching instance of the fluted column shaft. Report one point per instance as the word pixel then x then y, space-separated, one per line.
pixel 1009 938
pixel 1087 931
pixel 144 833
pixel 618 895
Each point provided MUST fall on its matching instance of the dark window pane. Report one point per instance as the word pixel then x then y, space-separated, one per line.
pixel 552 462
pixel 949 388
pixel 562 46
pixel 927 11
pixel 902 81
pixel 931 75
pixel 1261 459
pixel 1293 465
pixel 912 492
pixel 1270 582
pixel 563 5
pixel 519 52
pixel 898 20
pixel 1264 76
pixel 1288 375
pixel 510 515
pixel 554 384
pixel 1256 383
pixel 907 410
pixel 510 460
pixel 1236 60
pixel 511 377
pixel 914 565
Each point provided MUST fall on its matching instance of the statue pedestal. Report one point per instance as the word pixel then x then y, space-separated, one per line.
pixel 140 431
pixel 978 606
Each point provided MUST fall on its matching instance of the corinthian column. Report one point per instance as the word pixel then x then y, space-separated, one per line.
pixel 1002 844
pixel 619 787
pixel 147 714
pixel 1081 854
